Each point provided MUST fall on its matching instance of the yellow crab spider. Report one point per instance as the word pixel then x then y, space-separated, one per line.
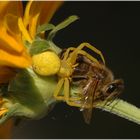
pixel 48 63
pixel 66 69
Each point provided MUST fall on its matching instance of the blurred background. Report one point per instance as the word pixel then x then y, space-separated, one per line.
pixel 113 28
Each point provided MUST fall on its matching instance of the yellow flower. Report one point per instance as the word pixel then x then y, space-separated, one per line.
pixel 16 27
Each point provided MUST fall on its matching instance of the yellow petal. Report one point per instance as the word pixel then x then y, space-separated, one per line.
pixel 48 11
pixel 8 42
pixel 12 50
pixel 3 111
pixel 12 59
pixel 26 14
pixel 12 11
pixel 11 27
pixel 10 7
pixel 33 25
pixel 39 12
pixel 25 35
pixel 12 53
pixel 10 35
pixel 6 129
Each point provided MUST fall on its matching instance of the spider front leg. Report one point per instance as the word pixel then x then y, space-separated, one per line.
pixel 93 49
pixel 74 54
pixel 58 89
pixel 88 56
pixel 66 54
pixel 67 95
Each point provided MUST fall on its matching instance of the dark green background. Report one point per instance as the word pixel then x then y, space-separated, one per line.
pixel 114 28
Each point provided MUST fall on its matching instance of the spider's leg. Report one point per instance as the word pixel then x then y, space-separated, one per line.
pixel 67 95
pixel 66 90
pixel 88 56
pixel 58 89
pixel 93 49
pixel 74 54
pixel 66 54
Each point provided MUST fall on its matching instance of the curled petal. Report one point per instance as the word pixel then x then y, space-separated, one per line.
pixel 48 11
pixel 25 35
pixel 39 12
pixel 8 42
pixel 10 7
pixel 12 50
pixel 12 29
pixel 10 35
pixel 12 59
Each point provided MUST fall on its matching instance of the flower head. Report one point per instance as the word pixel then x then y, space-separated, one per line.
pixel 16 28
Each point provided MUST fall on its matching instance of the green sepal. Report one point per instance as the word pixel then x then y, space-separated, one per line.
pixel 29 95
pixel 44 27
pixel 54 47
pixel 39 46
pixel 62 25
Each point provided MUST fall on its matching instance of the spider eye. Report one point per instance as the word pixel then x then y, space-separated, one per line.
pixel 111 88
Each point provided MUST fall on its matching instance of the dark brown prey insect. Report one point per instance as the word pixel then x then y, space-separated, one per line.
pixel 97 84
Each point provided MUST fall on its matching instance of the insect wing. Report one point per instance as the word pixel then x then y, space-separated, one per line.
pixel 89 100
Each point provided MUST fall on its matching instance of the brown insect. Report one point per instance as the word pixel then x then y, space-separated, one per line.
pixel 97 84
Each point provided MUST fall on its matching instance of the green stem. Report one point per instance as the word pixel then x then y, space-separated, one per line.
pixel 122 109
